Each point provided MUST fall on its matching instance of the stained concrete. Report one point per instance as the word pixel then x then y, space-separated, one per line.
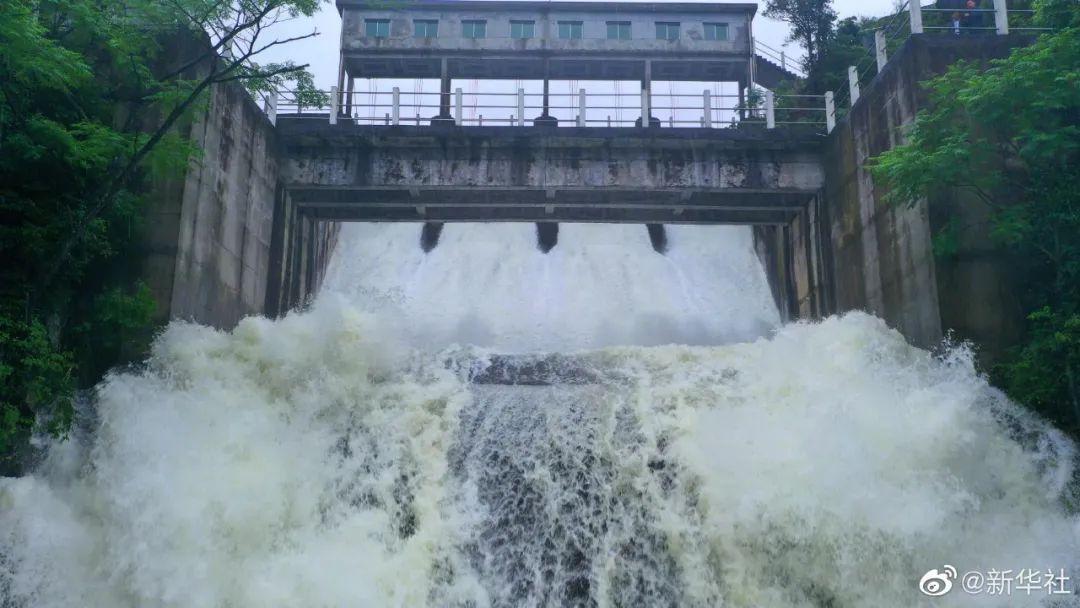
pixel 208 236
pixel 880 258
pixel 447 173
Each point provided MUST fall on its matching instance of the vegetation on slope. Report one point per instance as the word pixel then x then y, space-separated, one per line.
pixel 1010 136
pixel 91 97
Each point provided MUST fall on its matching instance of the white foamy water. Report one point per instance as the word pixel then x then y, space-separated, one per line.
pixel 603 285
pixel 342 457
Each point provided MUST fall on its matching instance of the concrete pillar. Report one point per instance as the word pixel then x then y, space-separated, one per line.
pixel 349 96
pixel 742 102
pixel 444 90
pixel 915 10
pixel 1001 17
pixel 582 100
pixel 880 46
pixel 830 111
pixel 395 107
pixel 521 107
pixel 706 98
pixel 458 105
pixel 341 71
pixel 770 110
pixel 646 95
pixel 335 104
pixel 271 108
pixel 853 83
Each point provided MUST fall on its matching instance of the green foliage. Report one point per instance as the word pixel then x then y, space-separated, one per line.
pixel 811 21
pixel 1008 138
pixel 93 101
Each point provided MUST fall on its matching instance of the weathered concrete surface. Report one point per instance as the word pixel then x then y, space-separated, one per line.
pixel 439 173
pixel 880 258
pixel 208 236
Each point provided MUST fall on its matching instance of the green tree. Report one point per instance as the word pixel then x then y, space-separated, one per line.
pixel 1009 137
pixel 92 95
pixel 811 21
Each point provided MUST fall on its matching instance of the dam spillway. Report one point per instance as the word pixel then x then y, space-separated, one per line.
pixel 481 426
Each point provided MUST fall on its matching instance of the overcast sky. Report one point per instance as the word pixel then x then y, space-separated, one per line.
pixel 321 53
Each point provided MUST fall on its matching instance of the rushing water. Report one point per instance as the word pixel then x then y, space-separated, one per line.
pixel 679 450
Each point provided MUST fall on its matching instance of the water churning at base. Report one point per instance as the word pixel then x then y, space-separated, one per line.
pixel 382 449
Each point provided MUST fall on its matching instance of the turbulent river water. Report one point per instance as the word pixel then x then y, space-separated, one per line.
pixel 486 425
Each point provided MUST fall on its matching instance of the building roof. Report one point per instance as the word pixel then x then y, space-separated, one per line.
pixel 535 6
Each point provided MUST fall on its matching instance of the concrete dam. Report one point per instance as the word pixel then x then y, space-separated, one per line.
pixel 526 348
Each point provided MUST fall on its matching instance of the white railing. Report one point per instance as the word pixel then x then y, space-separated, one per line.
pixel 1001 20
pixel 780 58
pixel 708 109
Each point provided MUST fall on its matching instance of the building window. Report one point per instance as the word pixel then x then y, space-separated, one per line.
pixel 667 30
pixel 426 28
pixel 716 31
pixel 377 28
pixel 570 30
pixel 474 29
pixel 618 30
pixel 521 30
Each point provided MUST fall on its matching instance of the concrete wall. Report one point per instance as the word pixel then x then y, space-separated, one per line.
pixel 880 259
pixel 208 236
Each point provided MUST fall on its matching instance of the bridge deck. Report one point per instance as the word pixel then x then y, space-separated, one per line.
pixel 534 174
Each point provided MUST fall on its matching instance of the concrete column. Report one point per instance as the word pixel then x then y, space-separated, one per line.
pixel 335 104
pixel 853 83
pixel 1001 17
pixel 646 95
pixel 880 46
pixel 458 105
pixel 521 107
pixel 444 90
pixel 341 72
pixel 770 110
pixel 271 108
pixel 706 99
pixel 915 11
pixel 581 108
pixel 395 107
pixel 830 111
pixel 349 97
pixel 742 102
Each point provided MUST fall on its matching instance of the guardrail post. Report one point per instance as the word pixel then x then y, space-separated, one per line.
pixel 706 104
pixel 881 48
pixel 395 107
pixel 521 108
pixel 458 106
pixel 581 122
pixel 853 83
pixel 335 104
pixel 770 110
pixel 271 108
pixel 915 9
pixel 1001 17
pixel 830 111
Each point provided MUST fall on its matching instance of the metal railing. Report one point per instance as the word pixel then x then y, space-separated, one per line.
pixel 707 109
pixel 914 18
pixel 780 58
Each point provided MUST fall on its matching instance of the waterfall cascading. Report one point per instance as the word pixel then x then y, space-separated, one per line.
pixel 482 425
